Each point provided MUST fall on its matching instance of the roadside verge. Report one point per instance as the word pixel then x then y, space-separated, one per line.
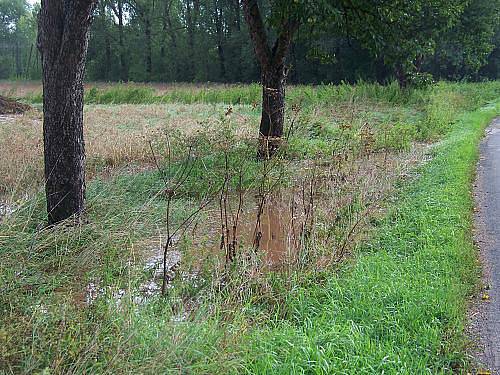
pixel 401 307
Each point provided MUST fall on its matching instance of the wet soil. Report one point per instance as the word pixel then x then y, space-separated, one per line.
pixel 274 233
pixel 12 107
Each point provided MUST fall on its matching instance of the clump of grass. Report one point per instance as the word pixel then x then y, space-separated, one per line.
pixel 250 94
pixel 131 93
pixel 121 95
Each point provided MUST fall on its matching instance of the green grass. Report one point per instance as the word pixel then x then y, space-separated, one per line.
pixel 297 95
pixel 400 307
pixel 397 306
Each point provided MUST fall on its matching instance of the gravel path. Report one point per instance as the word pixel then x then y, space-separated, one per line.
pixel 485 320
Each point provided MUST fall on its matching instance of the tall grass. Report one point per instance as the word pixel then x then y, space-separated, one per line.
pixel 476 94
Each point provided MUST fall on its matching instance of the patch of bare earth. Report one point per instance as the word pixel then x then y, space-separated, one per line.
pixel 12 107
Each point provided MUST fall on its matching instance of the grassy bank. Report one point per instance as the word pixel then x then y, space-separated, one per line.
pixel 396 304
pixel 401 307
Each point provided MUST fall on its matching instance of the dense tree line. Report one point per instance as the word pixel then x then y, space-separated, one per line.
pixel 209 40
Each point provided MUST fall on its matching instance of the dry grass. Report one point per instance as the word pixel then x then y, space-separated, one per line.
pixel 116 137
pixel 23 89
pixel 19 89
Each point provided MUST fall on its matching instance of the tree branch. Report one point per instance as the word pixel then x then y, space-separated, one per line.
pixel 282 44
pixel 257 32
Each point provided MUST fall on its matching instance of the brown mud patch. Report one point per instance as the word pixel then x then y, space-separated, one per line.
pixel 12 107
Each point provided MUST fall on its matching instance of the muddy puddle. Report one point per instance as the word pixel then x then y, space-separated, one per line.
pixel 271 228
pixel 333 213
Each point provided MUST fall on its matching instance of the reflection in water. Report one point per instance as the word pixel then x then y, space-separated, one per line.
pixel 273 232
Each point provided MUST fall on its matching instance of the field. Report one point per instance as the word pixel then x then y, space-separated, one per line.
pixel 348 252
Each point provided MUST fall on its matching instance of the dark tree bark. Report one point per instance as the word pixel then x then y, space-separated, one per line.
pixel 190 23
pixel 121 41
pixel 107 41
pixel 118 11
pixel 236 33
pixel 149 50
pixel 18 58
pixel 237 16
pixel 28 65
pixel 273 75
pixel 219 30
pixel 273 102
pixel 401 76
pixel 145 12
pixel 63 33
pixel 169 29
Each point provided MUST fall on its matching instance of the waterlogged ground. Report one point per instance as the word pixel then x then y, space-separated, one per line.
pixel 119 141
pixel 287 228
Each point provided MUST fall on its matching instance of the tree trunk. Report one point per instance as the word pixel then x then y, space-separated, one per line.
pixel 237 15
pixel 27 74
pixel 222 62
pixel 163 47
pixel 237 46
pixel 191 43
pixel 273 110
pixel 107 42
pixel 121 43
pixel 401 76
pixel 218 15
pixel 18 58
pixel 63 40
pixel 272 63
pixel 149 53
pixel 169 29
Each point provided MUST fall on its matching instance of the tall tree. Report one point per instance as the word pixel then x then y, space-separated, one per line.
pixel 118 10
pixel 218 17
pixel 403 32
pixel 144 11
pixel 191 14
pixel 465 48
pixel 168 31
pixel 11 36
pixel 207 40
pixel 102 25
pixel 272 62
pixel 63 40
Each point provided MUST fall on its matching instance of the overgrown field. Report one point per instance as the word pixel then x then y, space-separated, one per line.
pixel 347 253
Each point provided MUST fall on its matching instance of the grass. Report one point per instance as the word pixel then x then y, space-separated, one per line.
pixel 396 305
pixel 116 138
pixel 133 93
pixel 400 308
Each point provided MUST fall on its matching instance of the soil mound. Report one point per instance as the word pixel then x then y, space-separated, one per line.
pixel 12 107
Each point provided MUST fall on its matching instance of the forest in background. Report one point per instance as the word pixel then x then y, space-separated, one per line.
pixel 208 41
